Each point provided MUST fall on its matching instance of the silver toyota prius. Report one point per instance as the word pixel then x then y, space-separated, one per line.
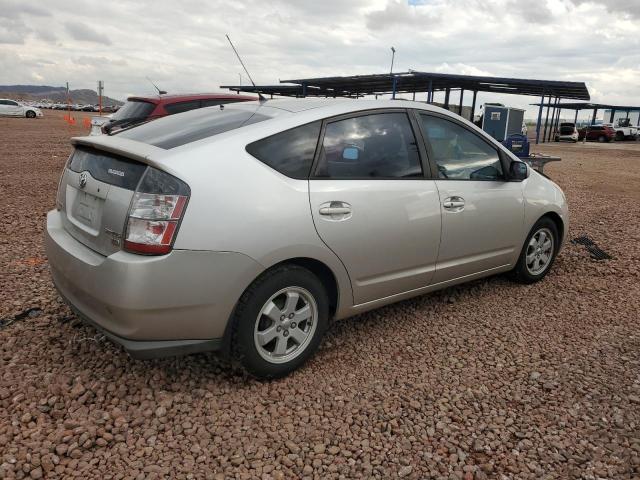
pixel 248 228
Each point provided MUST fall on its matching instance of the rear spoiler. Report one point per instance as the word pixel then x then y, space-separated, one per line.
pixel 142 152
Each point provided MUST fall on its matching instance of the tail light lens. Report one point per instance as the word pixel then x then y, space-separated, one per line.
pixel 157 207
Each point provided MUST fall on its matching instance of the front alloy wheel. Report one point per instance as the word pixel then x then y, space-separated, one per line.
pixel 539 251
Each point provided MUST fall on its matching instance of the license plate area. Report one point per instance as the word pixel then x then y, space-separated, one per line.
pixel 86 210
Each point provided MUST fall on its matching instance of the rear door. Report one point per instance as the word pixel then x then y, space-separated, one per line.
pixel 95 193
pixel 482 213
pixel 372 204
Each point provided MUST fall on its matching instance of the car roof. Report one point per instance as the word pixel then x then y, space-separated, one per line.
pixel 166 98
pixel 345 105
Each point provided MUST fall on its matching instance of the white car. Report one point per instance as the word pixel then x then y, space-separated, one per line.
pixel 567 132
pixel 11 108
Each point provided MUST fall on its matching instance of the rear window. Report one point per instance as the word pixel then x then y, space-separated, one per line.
pixel 134 109
pixel 106 167
pixel 290 152
pixel 180 107
pixel 176 130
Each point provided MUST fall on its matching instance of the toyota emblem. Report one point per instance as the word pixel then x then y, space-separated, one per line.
pixel 82 181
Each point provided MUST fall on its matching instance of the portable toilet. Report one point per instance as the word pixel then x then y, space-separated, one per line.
pixel 500 121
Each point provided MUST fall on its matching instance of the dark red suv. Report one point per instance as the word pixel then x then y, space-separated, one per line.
pixel 600 133
pixel 141 109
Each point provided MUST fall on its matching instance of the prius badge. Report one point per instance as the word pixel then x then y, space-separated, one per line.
pixel 82 181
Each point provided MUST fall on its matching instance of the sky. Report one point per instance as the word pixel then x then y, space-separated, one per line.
pixel 181 45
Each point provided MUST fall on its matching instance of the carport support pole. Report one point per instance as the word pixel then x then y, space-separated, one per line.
pixel 613 112
pixel 461 98
pixel 593 119
pixel 546 121
pixel 553 119
pixel 395 80
pixel 304 90
pixel 575 120
pixel 447 92
pixel 473 106
pixel 538 123
pixel 430 94
pixel 557 121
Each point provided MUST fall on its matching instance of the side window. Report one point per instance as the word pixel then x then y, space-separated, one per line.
pixel 11 103
pixel 290 152
pixel 3 102
pixel 180 107
pixel 378 145
pixel 459 153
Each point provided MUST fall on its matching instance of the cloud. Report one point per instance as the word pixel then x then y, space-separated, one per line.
pixel 624 7
pixel 184 49
pixel 402 14
pixel 14 9
pixel 81 32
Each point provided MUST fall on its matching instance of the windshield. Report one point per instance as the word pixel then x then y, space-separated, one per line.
pixel 176 130
pixel 134 109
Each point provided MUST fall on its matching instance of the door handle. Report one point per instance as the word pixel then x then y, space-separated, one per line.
pixel 334 210
pixel 453 203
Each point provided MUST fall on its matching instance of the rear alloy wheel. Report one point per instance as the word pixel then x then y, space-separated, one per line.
pixel 602 139
pixel 31 114
pixel 279 321
pixel 538 253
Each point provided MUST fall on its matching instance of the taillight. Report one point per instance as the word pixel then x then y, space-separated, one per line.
pixel 155 213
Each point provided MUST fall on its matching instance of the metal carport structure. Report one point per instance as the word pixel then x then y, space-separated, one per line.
pixel 423 82
pixel 578 106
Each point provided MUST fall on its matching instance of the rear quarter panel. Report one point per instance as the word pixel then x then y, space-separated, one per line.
pixel 238 204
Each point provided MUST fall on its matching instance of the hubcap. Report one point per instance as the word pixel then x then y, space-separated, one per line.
pixel 285 325
pixel 539 251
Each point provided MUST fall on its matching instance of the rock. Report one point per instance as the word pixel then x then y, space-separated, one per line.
pixel 319 448
pixel 77 390
pixel 405 471
pixel 36 473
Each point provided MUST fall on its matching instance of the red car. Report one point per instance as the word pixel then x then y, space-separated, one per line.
pixel 600 133
pixel 141 109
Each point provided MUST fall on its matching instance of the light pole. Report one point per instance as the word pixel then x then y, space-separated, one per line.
pixel 393 55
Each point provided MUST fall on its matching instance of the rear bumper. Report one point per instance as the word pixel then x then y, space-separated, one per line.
pixel 152 306
pixel 147 349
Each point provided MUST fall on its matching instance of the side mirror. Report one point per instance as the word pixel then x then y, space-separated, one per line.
pixel 350 153
pixel 518 171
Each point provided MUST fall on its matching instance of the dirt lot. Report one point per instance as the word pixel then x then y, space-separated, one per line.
pixel 487 380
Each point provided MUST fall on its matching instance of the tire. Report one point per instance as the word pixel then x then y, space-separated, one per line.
pixel 30 114
pixel 527 273
pixel 257 337
pixel 619 136
pixel 602 139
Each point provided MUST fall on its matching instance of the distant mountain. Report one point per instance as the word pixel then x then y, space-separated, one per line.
pixel 54 94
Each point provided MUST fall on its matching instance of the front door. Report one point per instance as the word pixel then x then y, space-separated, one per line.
pixel 482 213
pixel 372 205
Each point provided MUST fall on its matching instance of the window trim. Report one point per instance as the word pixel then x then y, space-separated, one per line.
pixel 426 174
pixel 431 156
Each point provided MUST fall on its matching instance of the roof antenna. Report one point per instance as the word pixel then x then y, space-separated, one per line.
pixel 160 92
pixel 260 96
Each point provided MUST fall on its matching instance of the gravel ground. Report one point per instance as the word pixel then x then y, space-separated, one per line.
pixel 486 380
